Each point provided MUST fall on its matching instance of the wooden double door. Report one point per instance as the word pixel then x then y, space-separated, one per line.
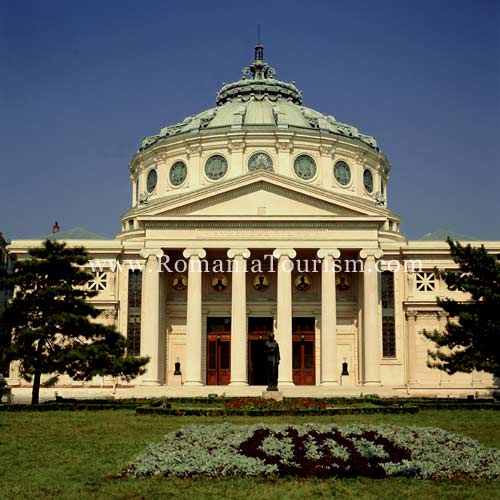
pixel 218 351
pixel 258 333
pixel 303 361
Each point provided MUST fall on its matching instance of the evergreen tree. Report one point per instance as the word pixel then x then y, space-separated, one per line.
pixel 48 324
pixel 471 340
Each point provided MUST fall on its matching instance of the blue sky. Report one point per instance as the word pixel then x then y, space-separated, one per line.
pixel 81 83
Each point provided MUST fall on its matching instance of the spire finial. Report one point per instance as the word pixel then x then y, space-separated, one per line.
pixel 259 49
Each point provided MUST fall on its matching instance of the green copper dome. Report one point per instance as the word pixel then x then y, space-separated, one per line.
pixel 259 100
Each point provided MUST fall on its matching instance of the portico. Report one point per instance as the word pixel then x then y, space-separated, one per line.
pixel 284 300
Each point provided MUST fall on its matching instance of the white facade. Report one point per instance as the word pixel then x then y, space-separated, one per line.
pixel 287 184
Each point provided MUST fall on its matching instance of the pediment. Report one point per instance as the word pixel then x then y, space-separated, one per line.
pixel 261 195
pixel 262 199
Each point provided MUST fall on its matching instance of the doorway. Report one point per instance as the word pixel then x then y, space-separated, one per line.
pixel 218 351
pixel 258 333
pixel 303 363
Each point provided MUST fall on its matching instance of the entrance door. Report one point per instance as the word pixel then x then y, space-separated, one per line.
pixel 218 351
pixel 303 333
pixel 258 333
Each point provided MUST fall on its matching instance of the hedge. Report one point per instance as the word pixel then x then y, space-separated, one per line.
pixel 215 412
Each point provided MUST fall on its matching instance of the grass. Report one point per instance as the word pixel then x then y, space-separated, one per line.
pixel 74 455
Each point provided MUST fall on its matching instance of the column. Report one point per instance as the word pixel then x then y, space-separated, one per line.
pixel 444 378
pixel 193 331
pixel 239 340
pixel 411 325
pixel 150 315
pixel 122 295
pixel 372 321
pixel 284 314
pixel 329 368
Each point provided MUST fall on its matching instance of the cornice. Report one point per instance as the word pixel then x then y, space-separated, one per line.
pixel 255 223
pixel 226 133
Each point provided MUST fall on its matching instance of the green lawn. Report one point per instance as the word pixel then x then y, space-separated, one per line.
pixel 62 455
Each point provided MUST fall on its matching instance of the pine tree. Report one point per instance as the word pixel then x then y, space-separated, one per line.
pixel 48 324
pixel 471 340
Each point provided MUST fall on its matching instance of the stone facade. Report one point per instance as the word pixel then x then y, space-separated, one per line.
pixel 261 178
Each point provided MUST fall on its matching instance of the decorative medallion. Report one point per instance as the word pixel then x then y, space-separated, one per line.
pixel 303 282
pixel 342 173
pixel 179 282
pixel 178 173
pixel 151 180
pixel 343 282
pixel 260 282
pixel 368 180
pixel 216 167
pixel 99 281
pixel 304 167
pixel 260 161
pixel 219 282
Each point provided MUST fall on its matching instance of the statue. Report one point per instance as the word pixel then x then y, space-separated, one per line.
pixel 272 352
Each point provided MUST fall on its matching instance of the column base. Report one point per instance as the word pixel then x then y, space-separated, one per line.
pixel 329 383
pixel 192 383
pixel 150 382
pixel 372 383
pixel 287 383
pixel 238 383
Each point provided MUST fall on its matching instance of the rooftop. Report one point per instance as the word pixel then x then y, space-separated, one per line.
pixel 260 100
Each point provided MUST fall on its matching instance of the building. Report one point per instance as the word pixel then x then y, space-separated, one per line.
pixel 6 264
pixel 262 178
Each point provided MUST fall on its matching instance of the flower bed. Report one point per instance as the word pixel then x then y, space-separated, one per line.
pixel 269 404
pixel 316 451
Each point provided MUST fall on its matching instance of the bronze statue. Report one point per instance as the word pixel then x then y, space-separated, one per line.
pixel 272 352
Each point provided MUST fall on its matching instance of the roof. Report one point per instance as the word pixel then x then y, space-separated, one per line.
pixel 442 234
pixel 258 99
pixel 75 233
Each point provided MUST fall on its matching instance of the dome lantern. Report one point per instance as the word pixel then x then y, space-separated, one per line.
pixel 259 80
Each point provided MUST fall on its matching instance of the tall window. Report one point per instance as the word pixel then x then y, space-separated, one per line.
pixel 134 313
pixel 388 324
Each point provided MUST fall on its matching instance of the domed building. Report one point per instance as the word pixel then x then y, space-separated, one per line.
pixel 266 216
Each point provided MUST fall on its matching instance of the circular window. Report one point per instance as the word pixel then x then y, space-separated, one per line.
pixel 260 161
pixel 342 173
pixel 152 180
pixel 368 180
pixel 305 167
pixel 216 167
pixel 178 173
